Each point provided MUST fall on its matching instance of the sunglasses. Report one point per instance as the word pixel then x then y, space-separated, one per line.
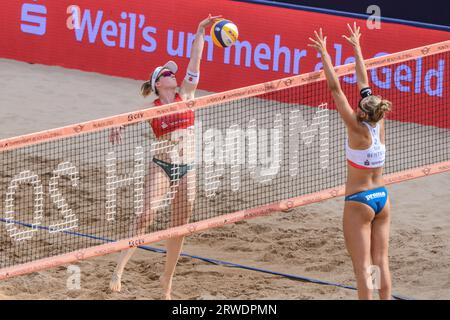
pixel 165 74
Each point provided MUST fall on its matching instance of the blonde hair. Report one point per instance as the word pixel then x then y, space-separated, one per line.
pixel 146 89
pixel 374 108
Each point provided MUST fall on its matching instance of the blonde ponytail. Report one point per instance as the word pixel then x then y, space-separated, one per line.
pixel 383 107
pixel 146 89
pixel 375 108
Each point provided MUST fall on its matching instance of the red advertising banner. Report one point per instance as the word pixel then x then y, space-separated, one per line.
pixel 129 38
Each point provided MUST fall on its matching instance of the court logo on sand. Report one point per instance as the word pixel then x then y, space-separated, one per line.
pixel 33 18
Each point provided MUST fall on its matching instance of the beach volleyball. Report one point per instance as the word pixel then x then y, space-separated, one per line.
pixel 224 33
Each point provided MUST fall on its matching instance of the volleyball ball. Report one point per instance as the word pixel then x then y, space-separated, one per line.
pixel 224 33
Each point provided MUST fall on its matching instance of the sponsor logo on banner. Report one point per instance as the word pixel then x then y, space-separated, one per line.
pixel 288 82
pixel 102 124
pixel 190 104
pixel 425 50
pixel 78 128
pixel 33 19
pixel 135 243
pixel 135 116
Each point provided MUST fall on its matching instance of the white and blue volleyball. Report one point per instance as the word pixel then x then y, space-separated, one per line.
pixel 224 33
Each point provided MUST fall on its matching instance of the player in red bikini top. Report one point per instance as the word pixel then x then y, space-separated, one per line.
pixel 167 124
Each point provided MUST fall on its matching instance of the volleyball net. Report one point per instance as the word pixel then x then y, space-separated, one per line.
pixel 253 151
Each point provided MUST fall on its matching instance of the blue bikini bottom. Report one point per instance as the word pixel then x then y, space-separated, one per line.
pixel 375 198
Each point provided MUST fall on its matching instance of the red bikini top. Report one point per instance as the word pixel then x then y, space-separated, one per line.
pixel 170 123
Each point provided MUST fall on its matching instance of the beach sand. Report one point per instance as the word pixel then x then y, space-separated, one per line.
pixel 307 241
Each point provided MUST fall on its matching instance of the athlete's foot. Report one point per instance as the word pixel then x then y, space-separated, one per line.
pixel 166 285
pixel 116 283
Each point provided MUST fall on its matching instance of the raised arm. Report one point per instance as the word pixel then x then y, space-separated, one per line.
pixel 343 107
pixel 361 72
pixel 190 82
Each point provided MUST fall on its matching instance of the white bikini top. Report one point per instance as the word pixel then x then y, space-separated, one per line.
pixel 373 157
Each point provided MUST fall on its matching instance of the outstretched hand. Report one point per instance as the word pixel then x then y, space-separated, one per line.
pixel 319 42
pixel 208 21
pixel 354 35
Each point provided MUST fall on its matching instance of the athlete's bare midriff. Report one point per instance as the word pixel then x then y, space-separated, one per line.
pixel 175 143
pixel 363 179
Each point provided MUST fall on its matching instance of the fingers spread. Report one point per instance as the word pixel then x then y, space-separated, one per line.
pixel 314 41
pixel 317 35
pixel 349 28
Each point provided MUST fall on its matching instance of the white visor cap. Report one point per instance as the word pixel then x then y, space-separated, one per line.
pixel 172 66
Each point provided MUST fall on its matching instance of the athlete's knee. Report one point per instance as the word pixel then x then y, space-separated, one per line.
pixel 380 258
pixel 362 271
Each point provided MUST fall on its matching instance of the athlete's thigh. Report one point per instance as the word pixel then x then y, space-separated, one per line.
pixel 183 203
pixel 357 230
pixel 380 233
pixel 157 185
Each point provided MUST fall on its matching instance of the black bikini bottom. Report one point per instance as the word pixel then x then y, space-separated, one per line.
pixel 174 171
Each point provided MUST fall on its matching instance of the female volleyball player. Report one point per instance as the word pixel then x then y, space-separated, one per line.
pixel 170 169
pixel 366 219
